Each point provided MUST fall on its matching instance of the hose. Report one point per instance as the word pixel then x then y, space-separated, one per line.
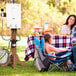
pixel 6 51
pixel 18 36
pixel 2 31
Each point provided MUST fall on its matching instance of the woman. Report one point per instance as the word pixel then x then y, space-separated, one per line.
pixel 70 23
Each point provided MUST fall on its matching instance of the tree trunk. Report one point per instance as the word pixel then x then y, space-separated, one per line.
pixel 69 0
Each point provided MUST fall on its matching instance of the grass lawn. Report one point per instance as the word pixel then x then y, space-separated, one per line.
pixel 29 69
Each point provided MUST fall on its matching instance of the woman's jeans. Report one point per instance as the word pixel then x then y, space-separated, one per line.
pixel 73 49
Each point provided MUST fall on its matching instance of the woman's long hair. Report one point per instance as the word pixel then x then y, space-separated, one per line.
pixel 74 22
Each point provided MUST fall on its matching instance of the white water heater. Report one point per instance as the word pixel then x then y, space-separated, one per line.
pixel 13 14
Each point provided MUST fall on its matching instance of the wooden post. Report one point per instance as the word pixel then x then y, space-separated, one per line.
pixel 14 56
pixel 13 49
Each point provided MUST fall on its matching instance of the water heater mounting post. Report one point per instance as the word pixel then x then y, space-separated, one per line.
pixel 13 14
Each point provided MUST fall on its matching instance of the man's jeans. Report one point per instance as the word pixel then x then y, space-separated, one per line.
pixel 73 49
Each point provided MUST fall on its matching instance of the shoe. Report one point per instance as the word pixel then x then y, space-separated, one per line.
pixel 65 67
pixel 74 67
pixel 70 66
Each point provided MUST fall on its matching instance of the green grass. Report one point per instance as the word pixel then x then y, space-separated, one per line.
pixel 29 69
